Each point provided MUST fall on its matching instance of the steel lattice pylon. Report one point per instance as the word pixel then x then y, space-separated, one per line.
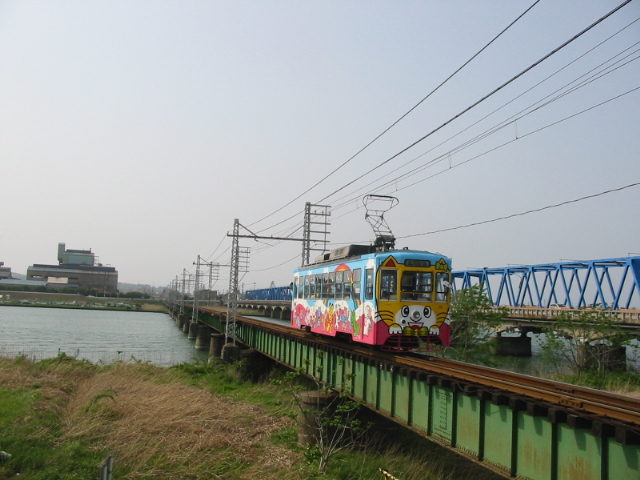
pixel 239 262
pixel 232 309
pixel 314 215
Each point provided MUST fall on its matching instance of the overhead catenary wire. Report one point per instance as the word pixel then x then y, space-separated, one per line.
pixel 475 157
pixel 393 182
pixel 595 23
pixel 319 182
pixel 513 118
pixel 481 100
pixel 466 110
pixel 492 150
pixel 520 214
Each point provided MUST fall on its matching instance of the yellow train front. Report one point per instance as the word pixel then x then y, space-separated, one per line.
pixel 396 300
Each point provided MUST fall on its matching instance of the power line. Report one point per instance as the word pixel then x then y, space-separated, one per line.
pixel 522 213
pixel 403 116
pixel 478 102
pixel 452 119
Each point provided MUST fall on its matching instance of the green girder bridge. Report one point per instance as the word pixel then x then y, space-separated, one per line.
pixel 519 426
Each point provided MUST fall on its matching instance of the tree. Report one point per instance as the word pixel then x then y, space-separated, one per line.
pixel 585 340
pixel 328 420
pixel 474 320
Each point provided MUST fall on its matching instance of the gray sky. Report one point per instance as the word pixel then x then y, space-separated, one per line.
pixel 142 129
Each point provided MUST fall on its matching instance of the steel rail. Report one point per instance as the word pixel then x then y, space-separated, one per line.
pixel 581 401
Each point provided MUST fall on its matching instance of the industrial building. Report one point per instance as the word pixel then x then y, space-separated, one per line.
pixel 5 272
pixel 76 269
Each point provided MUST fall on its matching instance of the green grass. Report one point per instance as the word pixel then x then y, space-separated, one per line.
pixel 30 433
pixel 59 418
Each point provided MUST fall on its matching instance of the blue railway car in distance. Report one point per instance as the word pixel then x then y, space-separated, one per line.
pixel 397 300
pixel 273 293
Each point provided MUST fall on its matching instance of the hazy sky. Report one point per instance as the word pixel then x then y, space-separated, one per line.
pixel 142 129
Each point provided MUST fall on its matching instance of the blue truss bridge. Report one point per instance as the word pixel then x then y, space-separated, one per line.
pixel 612 283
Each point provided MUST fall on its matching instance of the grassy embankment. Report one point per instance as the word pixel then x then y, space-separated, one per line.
pixel 59 418
pixel 69 300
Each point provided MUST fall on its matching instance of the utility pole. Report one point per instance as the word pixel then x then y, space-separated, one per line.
pixel 314 216
pixel 194 313
pixel 184 273
pixel 239 262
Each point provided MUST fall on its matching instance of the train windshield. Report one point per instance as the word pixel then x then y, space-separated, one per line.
pixel 417 286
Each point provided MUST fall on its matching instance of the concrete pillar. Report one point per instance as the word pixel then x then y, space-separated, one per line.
pixel 215 345
pixel 193 330
pixel 601 357
pixel 254 365
pixel 203 338
pixel 511 346
pixel 182 319
pixel 230 353
pixel 314 404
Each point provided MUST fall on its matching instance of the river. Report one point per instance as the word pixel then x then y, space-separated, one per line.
pixel 100 336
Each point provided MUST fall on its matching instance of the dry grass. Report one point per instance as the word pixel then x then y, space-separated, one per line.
pixel 152 307
pixel 158 429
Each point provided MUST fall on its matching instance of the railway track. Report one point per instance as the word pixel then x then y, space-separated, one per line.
pixel 531 392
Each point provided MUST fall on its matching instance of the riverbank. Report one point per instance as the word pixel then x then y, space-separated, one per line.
pixel 61 417
pixel 69 300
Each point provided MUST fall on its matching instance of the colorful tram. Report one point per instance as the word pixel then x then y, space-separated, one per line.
pixel 397 300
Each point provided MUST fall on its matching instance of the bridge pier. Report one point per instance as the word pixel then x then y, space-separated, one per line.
pixel 203 337
pixel 230 353
pixel 192 331
pixel 186 324
pixel 215 345
pixel 181 319
pixel 314 405
pixel 254 365
pixel 511 346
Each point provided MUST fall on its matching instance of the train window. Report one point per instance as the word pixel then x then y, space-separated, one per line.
pixel 332 285
pixel 347 284
pixel 442 287
pixel 417 286
pixel 389 285
pixel 368 284
pixel 296 288
pixel 357 274
pixel 307 279
pixel 326 286
pixel 338 285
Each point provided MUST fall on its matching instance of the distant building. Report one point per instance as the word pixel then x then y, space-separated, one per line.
pixel 75 269
pixel 5 272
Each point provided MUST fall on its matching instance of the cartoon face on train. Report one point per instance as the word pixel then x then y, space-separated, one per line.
pixel 414 320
